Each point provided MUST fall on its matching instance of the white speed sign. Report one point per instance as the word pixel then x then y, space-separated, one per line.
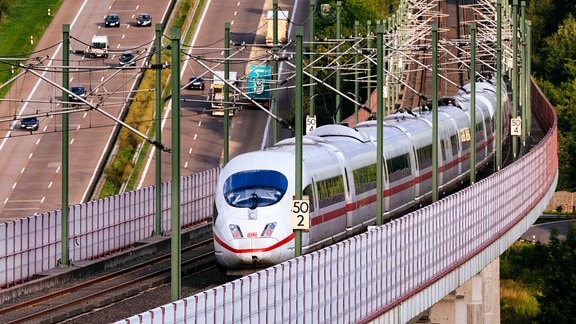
pixel 301 213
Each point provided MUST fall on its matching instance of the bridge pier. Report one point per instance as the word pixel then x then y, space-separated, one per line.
pixel 477 301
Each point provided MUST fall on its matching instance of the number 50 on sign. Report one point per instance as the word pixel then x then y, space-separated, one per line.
pixel 516 126
pixel 301 213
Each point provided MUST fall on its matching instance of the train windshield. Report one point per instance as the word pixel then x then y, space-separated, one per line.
pixel 255 188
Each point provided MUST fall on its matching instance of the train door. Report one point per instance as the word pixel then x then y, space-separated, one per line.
pixel 449 148
pixel 310 236
pixel 332 194
pixel 348 190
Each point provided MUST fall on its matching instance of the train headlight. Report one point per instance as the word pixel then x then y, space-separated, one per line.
pixel 268 230
pixel 235 230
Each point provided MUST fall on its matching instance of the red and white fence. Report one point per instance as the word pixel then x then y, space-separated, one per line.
pixel 33 244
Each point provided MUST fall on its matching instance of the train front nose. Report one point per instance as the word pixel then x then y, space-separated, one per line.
pixel 249 252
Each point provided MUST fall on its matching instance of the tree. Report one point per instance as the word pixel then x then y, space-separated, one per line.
pixel 559 53
pixel 558 298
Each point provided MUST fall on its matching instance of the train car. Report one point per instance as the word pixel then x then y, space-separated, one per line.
pixel 252 225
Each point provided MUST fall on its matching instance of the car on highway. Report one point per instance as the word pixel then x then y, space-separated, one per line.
pixel 195 83
pixel 127 59
pixel 112 20
pixel 143 20
pixel 30 123
pixel 80 91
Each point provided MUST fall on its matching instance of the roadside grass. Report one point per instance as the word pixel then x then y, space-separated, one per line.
pixel 141 116
pixel 24 19
pixel 518 303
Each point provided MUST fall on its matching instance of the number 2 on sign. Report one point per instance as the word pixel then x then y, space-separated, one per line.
pixel 301 213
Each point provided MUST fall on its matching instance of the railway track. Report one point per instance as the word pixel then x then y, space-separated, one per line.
pixel 87 295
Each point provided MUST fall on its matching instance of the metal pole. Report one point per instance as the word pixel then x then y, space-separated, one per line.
pixel 528 79
pixel 368 67
pixel 380 124
pixel 498 164
pixel 356 74
pixel 515 74
pixel 312 88
pixel 275 72
pixel 175 188
pixel 434 112
pixel 158 130
pixel 338 76
pixel 298 133
pixel 226 90
pixel 523 77
pixel 388 93
pixel 472 103
pixel 65 260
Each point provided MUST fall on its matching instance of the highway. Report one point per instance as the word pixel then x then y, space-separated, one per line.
pixel 31 162
pixel 201 133
pixel 30 167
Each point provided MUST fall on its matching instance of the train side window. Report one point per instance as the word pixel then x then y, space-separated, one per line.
pixel 398 167
pixel 490 124
pixel 443 150
pixel 424 156
pixel 454 144
pixel 479 131
pixel 330 191
pixel 365 178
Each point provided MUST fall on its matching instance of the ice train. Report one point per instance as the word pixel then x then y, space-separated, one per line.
pixel 252 226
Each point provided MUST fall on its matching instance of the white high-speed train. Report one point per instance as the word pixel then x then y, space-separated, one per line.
pixel 252 224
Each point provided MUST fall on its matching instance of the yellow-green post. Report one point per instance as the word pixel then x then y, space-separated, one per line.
pixel 176 243
pixel 298 125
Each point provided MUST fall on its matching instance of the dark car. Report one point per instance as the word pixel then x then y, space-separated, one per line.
pixel 195 83
pixel 143 20
pixel 80 91
pixel 30 123
pixel 112 20
pixel 127 59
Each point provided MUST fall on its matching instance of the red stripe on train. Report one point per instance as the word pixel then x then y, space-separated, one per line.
pixel 266 249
